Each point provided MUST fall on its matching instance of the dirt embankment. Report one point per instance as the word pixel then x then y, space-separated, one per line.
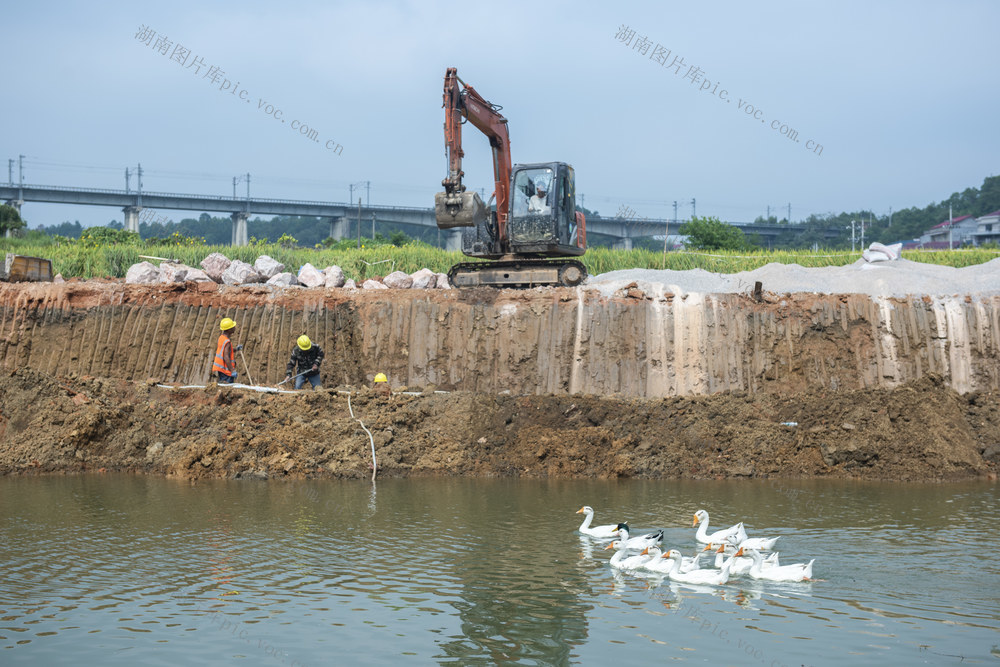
pixel 633 343
pixel 919 431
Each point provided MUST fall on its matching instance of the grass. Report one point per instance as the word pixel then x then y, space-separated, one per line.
pixel 73 259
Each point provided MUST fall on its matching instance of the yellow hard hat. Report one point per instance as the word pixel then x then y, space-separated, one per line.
pixel 304 343
pixel 381 378
pixel 227 324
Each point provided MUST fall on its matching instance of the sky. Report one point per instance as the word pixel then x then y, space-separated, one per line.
pixel 738 106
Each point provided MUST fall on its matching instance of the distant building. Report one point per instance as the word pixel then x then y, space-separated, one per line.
pixel 987 229
pixel 950 233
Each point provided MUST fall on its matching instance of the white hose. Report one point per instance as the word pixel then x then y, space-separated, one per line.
pixel 374 462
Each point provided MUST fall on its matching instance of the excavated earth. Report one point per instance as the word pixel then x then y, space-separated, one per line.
pixel 96 375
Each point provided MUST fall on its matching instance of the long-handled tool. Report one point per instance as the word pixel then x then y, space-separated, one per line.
pixel 245 365
pixel 292 378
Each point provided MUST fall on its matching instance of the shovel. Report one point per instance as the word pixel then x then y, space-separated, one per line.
pixel 291 378
pixel 245 365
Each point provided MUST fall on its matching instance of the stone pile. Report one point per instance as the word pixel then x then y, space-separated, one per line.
pixel 217 268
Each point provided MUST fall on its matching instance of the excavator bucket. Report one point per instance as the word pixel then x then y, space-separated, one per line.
pixel 460 209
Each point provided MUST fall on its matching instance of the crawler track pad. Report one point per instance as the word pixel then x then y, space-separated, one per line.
pixel 518 273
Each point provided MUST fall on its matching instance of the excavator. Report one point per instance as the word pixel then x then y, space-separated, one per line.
pixel 534 230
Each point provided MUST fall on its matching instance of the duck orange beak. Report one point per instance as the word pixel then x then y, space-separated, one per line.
pixel 645 552
pixel 707 547
pixel 740 552
pixel 610 546
pixel 580 511
pixel 721 549
pixel 695 520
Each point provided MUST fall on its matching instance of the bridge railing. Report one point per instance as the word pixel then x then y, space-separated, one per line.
pixel 218 198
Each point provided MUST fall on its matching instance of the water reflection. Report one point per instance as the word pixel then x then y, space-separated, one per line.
pixel 131 569
pixel 507 598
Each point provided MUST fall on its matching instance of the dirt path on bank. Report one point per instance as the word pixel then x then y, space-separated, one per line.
pixel 919 431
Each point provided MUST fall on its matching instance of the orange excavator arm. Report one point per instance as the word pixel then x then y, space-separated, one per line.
pixel 465 102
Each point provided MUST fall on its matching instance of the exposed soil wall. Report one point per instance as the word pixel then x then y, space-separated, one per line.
pixel 545 341
pixel 551 382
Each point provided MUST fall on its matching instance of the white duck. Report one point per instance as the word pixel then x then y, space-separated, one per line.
pixel 758 543
pixel 741 564
pixel 658 562
pixel 641 541
pixel 621 560
pixel 733 534
pixel 605 531
pixel 713 577
pixel 794 572
pixel 728 549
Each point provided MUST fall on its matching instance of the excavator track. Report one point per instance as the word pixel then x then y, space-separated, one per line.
pixel 518 273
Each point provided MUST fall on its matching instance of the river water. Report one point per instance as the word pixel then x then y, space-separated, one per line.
pixel 128 570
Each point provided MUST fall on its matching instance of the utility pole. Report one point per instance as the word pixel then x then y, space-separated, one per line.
pixel 358 185
pixel 852 236
pixel 675 211
pixel 10 171
pixel 693 214
pixel 127 180
pixel 373 226
pixel 768 213
pixel 666 235
pixel 240 179
pixel 789 218
pixel 138 178
pixel 950 225
pixel 359 223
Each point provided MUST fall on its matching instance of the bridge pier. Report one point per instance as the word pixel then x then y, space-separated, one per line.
pixel 340 228
pixel 453 240
pixel 16 203
pixel 132 218
pixel 624 243
pixel 240 228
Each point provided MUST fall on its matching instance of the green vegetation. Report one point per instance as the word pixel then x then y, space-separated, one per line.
pixel 110 252
pixel 710 233
pixel 9 218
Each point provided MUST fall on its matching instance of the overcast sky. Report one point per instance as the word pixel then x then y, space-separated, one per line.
pixel 903 98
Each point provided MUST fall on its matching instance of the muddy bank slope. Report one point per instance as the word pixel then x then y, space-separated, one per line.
pixel 922 430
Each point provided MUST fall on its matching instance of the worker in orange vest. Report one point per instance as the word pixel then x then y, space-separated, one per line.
pixel 225 357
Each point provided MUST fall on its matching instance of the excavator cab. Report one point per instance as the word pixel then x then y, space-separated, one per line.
pixel 542 221
pixel 543 217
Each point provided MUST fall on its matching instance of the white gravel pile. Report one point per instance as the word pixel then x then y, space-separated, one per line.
pixel 897 278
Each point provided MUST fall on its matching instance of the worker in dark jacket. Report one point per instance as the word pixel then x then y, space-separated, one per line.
pixel 306 357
